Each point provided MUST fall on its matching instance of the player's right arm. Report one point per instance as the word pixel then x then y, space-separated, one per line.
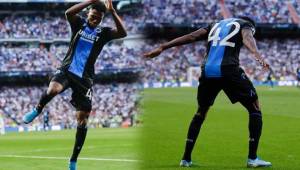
pixel 189 38
pixel 250 43
pixel 71 13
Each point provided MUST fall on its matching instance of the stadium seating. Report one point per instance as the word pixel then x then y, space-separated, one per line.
pixel 113 105
pixel 171 65
pixel 204 11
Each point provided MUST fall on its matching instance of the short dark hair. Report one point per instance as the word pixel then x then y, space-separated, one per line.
pixel 99 6
pixel 246 18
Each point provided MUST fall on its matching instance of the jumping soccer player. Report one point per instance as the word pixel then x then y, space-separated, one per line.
pixel 77 69
pixel 221 71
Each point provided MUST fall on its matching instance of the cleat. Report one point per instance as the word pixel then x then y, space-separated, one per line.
pixel 184 163
pixel 30 116
pixel 72 165
pixel 254 163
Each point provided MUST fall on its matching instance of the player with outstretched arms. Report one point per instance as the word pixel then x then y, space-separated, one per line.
pixel 77 69
pixel 221 71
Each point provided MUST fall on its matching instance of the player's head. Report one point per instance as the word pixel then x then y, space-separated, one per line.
pixel 96 13
pixel 249 19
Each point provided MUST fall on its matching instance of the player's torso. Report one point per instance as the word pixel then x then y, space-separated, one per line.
pixel 224 44
pixel 84 49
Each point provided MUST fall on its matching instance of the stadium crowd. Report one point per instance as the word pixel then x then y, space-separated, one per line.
pixel 36 57
pixel 172 65
pixel 51 25
pixel 48 26
pixel 205 11
pixel 114 105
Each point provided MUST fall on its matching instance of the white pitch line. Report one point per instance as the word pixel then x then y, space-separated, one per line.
pixel 66 158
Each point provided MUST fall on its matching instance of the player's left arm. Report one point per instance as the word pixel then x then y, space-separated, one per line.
pixel 120 31
pixel 188 38
pixel 250 43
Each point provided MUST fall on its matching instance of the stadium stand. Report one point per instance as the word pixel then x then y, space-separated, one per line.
pixel 114 105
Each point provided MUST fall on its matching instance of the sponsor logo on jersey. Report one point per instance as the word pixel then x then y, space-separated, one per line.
pixel 88 37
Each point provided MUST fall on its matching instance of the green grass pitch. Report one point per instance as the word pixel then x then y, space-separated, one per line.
pixel 109 149
pixel 223 142
pixel 159 143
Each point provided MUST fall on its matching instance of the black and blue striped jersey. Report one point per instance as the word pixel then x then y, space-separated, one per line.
pixel 223 48
pixel 85 47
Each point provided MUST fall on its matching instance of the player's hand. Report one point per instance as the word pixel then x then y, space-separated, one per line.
pixel 110 6
pixel 265 65
pixel 154 53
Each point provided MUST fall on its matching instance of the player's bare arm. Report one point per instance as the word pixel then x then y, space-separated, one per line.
pixel 71 13
pixel 186 39
pixel 250 43
pixel 120 30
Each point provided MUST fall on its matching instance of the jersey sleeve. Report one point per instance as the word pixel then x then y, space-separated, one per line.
pixel 208 27
pixel 76 24
pixel 107 31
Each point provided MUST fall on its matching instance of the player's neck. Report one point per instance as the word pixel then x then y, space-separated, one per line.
pixel 90 26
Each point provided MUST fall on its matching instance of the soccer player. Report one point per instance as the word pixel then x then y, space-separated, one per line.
pixel 46 121
pixel 77 69
pixel 298 77
pixel 2 125
pixel 221 71
pixel 269 79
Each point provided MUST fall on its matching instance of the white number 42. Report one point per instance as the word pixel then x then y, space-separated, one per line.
pixel 214 35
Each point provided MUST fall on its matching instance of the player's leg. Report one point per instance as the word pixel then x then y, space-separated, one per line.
pixel 272 84
pixel 82 118
pixel 254 126
pixel 255 129
pixel 81 132
pixel 53 89
pixel 193 132
pixel 207 92
pixel 240 89
pixel 82 101
pixel 58 83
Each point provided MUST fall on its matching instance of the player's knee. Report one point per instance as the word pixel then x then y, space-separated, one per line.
pixel 252 107
pixel 256 105
pixel 202 112
pixel 255 115
pixel 53 91
pixel 82 118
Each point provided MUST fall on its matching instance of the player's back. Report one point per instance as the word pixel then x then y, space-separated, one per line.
pixel 224 44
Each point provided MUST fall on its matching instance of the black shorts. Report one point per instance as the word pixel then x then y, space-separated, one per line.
pixel 236 86
pixel 82 89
